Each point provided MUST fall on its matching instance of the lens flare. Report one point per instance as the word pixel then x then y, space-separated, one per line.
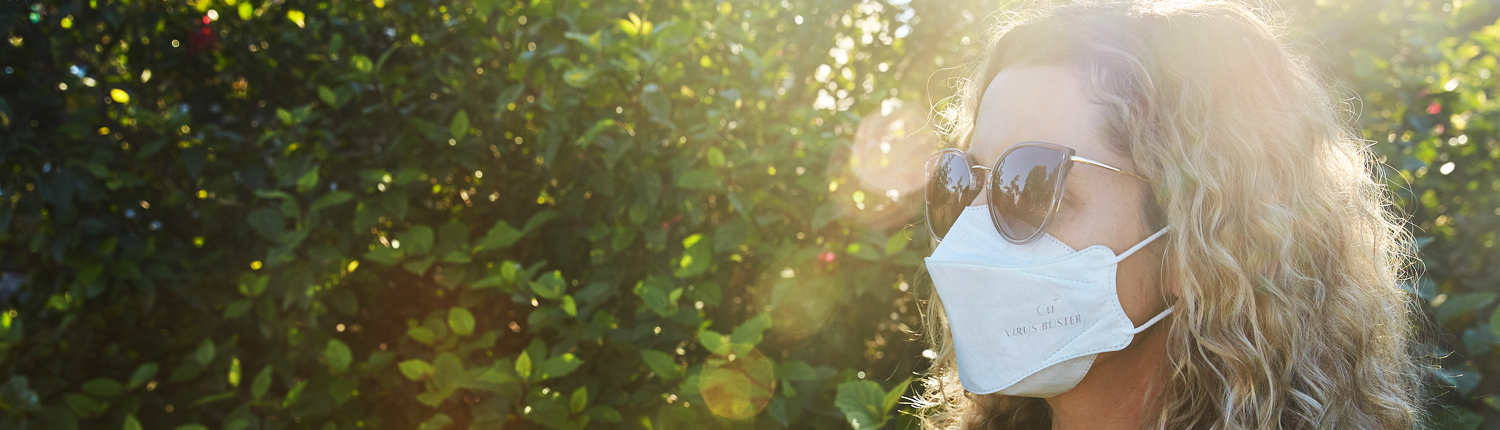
pixel 886 159
pixel 801 306
pixel 737 385
pixel 889 149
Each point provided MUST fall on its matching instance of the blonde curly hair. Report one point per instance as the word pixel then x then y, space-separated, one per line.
pixel 1285 255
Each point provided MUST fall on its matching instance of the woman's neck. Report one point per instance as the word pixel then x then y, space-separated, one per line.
pixel 1114 394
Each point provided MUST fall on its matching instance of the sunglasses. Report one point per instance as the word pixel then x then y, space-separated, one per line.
pixel 1025 188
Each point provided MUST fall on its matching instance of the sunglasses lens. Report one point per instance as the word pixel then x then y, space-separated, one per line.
pixel 950 186
pixel 1023 189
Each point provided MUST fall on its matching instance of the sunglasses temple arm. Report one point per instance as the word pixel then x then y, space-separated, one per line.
pixel 1106 167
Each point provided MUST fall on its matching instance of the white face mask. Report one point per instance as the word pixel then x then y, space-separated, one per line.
pixel 1028 320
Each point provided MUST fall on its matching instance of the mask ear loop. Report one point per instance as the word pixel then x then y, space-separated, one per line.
pixel 1153 321
pixel 1127 253
pixel 1143 244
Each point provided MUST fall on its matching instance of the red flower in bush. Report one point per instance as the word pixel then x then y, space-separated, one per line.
pixel 203 39
pixel 827 257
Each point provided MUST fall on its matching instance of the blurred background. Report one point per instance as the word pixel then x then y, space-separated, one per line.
pixel 452 214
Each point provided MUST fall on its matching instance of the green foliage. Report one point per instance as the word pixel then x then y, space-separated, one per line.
pixel 474 214
pixel 1423 72
pixel 866 404
pixel 247 214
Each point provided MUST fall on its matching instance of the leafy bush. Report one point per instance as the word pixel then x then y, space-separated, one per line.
pixel 309 214
pixel 1423 74
pixel 471 214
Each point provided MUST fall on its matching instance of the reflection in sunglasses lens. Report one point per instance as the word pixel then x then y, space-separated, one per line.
pixel 1022 189
pixel 950 187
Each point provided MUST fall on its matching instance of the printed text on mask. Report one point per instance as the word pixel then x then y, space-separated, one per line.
pixel 1044 325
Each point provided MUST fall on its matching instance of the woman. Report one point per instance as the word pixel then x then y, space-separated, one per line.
pixel 1160 219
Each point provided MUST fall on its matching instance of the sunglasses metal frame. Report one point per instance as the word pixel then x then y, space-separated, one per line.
pixel 1070 157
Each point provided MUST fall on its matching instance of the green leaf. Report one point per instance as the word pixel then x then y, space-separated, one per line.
pixel 658 294
pixel 897 242
pixel 489 282
pixel 1463 377
pixel 537 220
pixel 234 373
pixel 103 387
pixel 285 116
pixel 523 365
pixel 861 403
pixel 558 366
pixel 131 423
pixel 338 355
pixel 1449 417
pixel 501 236
pixel 212 398
pixel 191 427
pixel 577 77
pixel 657 105
pixel 267 222
pixel 361 63
pixel 569 307
pixel 715 342
pixel 437 422
pixel 579 399
pixel 630 26
pixel 417 241
pixel 205 353
pixel 549 286
pixel 422 334
pixel 237 308
pixel 461 321
pixel 824 215
pixel 506 97
pixel 415 369
pixel 696 258
pixel 328 96
pixel 751 332
pixel 894 395
pixel 385 255
pixel 495 375
pixel 142 374
pixel 593 133
pixel 1493 402
pixel 419 267
pixel 261 384
pixel 251 285
pixel 459 127
pixel 661 364
pixel 606 414
pixel 448 371
pixel 329 200
pixel 715 157
pixel 294 394
pixel 83 405
pixel 306 182
pixel 1458 305
pixel 796 370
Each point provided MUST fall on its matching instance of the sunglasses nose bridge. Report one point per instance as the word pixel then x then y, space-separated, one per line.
pixel 981 176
